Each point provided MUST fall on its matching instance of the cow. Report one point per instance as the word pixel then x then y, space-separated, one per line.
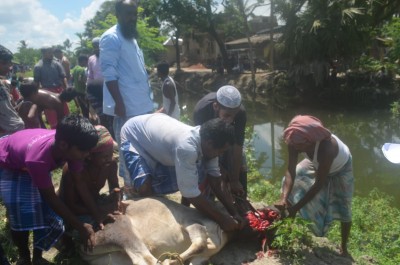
pixel 153 229
pixel 160 231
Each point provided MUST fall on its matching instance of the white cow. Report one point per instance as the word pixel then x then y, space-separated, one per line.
pixel 153 227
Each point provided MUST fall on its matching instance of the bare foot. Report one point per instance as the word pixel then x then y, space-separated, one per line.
pixel 345 254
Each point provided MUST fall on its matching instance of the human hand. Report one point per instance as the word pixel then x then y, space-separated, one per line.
pixel 119 109
pixel 230 224
pixel 87 236
pixel 242 221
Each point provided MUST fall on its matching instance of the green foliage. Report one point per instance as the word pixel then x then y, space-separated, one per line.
pixel 392 31
pixel 395 109
pixel 259 189
pixel 27 56
pixel 292 237
pixel 376 229
pixel 5 236
pixel 369 64
pixel 149 39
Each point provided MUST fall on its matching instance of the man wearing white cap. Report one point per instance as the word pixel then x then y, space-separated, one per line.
pixel 226 104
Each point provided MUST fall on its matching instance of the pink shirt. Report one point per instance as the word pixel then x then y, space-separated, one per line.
pixel 30 150
pixel 94 69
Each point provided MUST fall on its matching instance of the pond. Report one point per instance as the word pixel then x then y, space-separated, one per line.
pixel 364 132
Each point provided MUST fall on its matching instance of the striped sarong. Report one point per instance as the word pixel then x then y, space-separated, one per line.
pixel 163 178
pixel 27 211
pixel 332 202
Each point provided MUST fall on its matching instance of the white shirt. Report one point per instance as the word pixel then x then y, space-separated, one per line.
pixel 161 138
pixel 340 160
pixel 176 113
pixel 122 60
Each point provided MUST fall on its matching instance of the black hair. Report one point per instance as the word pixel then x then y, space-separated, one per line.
pixel 77 131
pixel 82 58
pixel 5 54
pixel 119 4
pixel 163 68
pixel 219 132
pixel 28 88
pixel 57 50
pixel 68 94
pixel 46 48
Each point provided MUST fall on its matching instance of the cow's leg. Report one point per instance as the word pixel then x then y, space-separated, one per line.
pixel 198 236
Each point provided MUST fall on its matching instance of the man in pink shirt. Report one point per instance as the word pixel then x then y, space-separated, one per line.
pixel 27 158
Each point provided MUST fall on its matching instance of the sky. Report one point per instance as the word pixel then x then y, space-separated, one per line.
pixel 44 22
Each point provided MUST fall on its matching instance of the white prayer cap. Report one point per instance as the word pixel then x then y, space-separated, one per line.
pixel 229 97
pixel 392 152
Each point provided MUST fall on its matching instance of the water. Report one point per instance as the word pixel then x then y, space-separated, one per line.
pixel 364 132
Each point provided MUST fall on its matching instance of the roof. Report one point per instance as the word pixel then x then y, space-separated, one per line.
pixel 255 39
pixel 169 42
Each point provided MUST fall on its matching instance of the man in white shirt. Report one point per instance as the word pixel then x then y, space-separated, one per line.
pixel 164 155
pixel 126 90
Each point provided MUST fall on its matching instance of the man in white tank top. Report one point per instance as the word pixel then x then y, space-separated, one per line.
pixel 170 105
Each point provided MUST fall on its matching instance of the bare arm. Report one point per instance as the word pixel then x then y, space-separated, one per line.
pixel 326 155
pixel 112 177
pixel 85 230
pixel 70 197
pixel 226 222
pixel 226 199
pixel 59 108
pixel 234 174
pixel 113 87
pixel 86 197
pixel 289 175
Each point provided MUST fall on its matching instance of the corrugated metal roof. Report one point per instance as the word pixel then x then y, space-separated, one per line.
pixel 255 39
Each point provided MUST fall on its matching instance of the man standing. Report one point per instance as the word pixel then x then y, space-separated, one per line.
pixel 170 104
pixel 94 86
pixel 126 90
pixel 226 104
pixel 9 120
pixel 50 75
pixel 63 60
pixel 164 155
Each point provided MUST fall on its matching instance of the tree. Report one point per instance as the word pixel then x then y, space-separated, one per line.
pixel 245 10
pixel 27 56
pixel 319 31
pixel 175 15
pixel 149 39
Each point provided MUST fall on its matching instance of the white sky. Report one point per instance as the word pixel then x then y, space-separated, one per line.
pixel 45 22
pixel 49 22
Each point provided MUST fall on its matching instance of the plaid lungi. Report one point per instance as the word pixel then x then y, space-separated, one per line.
pixel 332 202
pixel 27 210
pixel 163 178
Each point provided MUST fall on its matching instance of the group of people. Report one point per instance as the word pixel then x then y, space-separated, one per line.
pixel 158 153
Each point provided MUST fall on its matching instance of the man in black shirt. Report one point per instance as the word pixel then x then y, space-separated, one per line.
pixel 226 104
